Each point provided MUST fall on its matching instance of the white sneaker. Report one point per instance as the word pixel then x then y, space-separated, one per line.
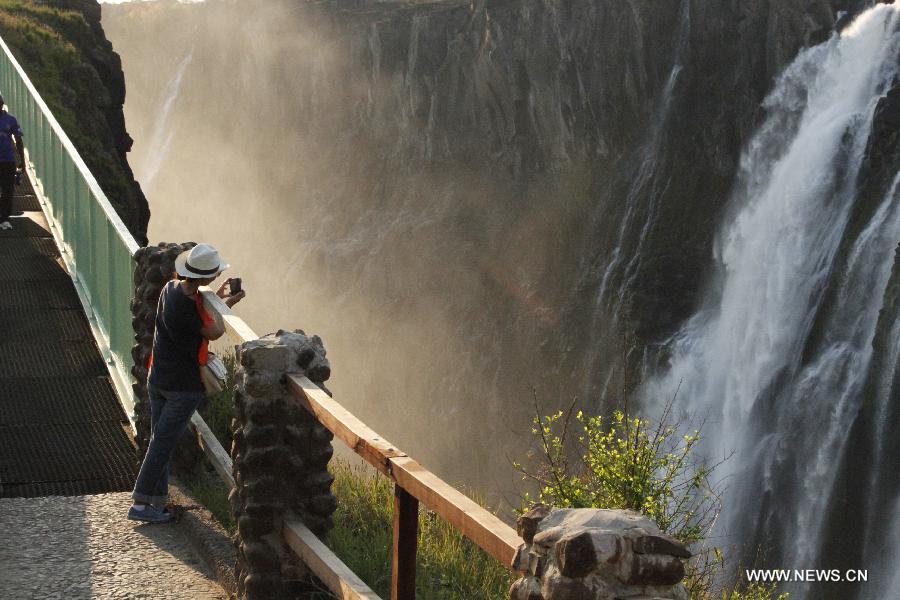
pixel 6 225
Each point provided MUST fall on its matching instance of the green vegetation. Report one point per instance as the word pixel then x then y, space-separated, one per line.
pixel 632 463
pixel 625 463
pixel 450 567
pixel 210 491
pixel 203 481
pixel 755 591
pixel 75 71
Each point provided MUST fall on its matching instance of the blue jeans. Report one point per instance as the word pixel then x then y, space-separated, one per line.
pixel 170 413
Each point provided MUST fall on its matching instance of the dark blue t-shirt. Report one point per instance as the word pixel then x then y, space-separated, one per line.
pixel 176 343
pixel 8 128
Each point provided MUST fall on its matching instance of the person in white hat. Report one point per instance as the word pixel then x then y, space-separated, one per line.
pixel 174 385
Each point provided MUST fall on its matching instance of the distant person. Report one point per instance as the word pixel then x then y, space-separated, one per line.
pixel 174 384
pixel 12 158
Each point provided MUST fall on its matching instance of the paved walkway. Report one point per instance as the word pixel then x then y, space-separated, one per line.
pixel 83 547
pixel 63 437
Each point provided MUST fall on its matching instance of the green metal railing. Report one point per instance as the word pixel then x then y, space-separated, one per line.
pixel 96 246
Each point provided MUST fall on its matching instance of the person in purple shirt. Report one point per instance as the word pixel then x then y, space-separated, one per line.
pixel 12 157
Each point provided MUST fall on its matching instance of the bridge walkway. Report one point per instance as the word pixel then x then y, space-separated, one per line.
pixel 67 461
pixel 62 429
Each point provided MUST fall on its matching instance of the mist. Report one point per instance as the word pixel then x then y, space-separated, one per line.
pixel 277 137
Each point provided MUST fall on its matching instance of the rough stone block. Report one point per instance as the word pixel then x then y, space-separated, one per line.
pixel 557 587
pixel 527 524
pixel 261 434
pixel 575 555
pixel 264 355
pixel 248 527
pixel 261 556
pixel 268 459
pixel 607 545
pixel 520 560
pixel 323 504
pixel 582 554
pixel 280 456
pixel 660 544
pixel 262 585
pixel 651 570
pixel 535 564
pixel 526 588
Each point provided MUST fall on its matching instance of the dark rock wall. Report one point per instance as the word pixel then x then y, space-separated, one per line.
pixel 85 88
pixel 481 162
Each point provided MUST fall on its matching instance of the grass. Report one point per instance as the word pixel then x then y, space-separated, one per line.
pixel 210 491
pixel 449 566
pixel 67 60
pixel 203 481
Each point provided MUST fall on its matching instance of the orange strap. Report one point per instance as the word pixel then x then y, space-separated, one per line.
pixel 206 318
pixel 203 357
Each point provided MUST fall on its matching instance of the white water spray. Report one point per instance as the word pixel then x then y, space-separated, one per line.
pixel 645 190
pixel 781 401
pixel 163 129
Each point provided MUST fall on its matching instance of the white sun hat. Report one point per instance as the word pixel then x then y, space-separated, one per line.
pixel 200 262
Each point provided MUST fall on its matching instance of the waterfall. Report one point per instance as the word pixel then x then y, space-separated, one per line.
pixel 645 189
pixel 163 130
pixel 776 361
pixel 641 202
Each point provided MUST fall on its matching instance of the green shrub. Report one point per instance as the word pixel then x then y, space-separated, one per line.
pixel 648 466
pixel 755 591
pixel 218 410
pixel 209 490
pixel 449 567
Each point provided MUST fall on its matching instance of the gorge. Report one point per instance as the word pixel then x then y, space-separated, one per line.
pixel 483 204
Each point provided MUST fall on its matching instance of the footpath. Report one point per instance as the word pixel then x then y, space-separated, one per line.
pixel 67 463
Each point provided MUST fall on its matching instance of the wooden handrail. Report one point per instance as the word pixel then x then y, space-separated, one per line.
pixel 478 524
pixel 413 484
pixel 220 459
pixel 342 582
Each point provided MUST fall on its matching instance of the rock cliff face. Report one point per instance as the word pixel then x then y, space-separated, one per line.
pixel 72 64
pixel 557 169
pixel 527 141
pixel 469 200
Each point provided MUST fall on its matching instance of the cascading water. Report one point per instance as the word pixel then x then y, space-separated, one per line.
pixel 777 361
pixel 163 131
pixel 641 202
pixel 471 201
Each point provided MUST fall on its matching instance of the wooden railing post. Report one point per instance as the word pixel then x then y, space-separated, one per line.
pixel 406 534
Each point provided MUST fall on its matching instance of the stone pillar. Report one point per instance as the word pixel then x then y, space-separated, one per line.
pixel 594 554
pixel 280 455
pixel 154 268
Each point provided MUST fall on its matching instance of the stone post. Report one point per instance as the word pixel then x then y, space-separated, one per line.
pixel 280 455
pixel 153 269
pixel 594 554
